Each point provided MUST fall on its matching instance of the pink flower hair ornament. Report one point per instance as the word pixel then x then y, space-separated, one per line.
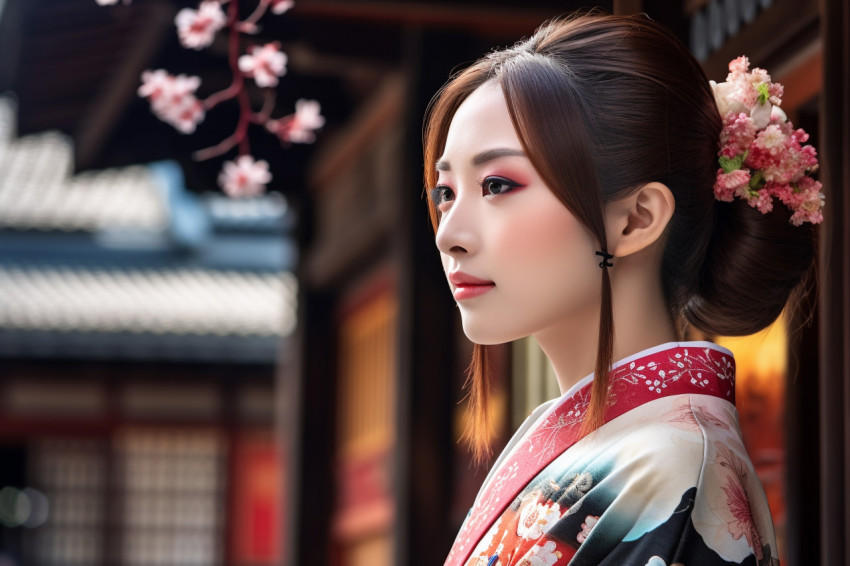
pixel 761 155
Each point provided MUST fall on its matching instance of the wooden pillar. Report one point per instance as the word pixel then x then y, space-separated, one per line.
pixel 427 386
pixel 307 420
pixel 835 286
pixel 423 459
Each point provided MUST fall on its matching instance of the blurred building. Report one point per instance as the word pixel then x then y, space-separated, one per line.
pixel 370 380
pixel 139 328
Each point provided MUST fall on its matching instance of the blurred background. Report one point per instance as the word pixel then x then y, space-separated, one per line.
pixel 188 379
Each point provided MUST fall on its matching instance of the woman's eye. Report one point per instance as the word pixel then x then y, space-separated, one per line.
pixel 441 194
pixel 497 185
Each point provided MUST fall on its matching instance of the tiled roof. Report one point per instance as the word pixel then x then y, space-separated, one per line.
pixel 84 294
pixel 179 301
pixel 38 190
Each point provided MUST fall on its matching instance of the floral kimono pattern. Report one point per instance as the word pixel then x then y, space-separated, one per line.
pixel 666 480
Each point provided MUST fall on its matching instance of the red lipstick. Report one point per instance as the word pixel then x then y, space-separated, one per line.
pixel 467 286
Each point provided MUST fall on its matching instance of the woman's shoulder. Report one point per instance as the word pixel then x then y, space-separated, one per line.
pixel 682 455
pixel 670 445
pixel 669 424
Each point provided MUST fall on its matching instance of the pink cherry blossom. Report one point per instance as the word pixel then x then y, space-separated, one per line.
pixel 187 116
pixel 728 184
pixel 244 177
pixel 761 154
pixel 173 99
pixel 737 134
pixel 265 64
pixel 280 6
pixel 154 84
pixel 763 201
pixel 739 65
pixel 197 28
pixel 299 127
pixel 741 92
pixel 810 207
pixel 771 139
pixel 307 118
pixel 809 157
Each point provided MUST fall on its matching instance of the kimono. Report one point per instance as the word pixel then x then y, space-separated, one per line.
pixel 665 481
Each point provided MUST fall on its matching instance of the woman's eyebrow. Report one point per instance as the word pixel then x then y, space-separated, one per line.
pixel 484 157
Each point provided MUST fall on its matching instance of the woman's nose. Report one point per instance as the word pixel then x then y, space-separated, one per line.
pixel 457 232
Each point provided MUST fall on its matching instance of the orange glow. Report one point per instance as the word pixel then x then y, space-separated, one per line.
pixel 762 365
pixel 761 356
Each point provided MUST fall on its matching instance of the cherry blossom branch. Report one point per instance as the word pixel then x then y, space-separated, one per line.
pixel 173 99
pixel 237 88
pixel 217 98
pixel 241 132
pixel 220 148
pixel 265 113
pixel 249 24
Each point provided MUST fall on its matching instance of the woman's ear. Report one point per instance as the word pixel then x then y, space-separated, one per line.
pixel 637 221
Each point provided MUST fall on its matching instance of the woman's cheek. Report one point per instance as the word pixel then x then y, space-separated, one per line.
pixel 544 239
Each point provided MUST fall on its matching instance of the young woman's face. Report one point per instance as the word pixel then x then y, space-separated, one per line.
pixel 517 260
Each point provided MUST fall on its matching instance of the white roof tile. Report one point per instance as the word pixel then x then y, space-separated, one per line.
pixel 39 191
pixel 181 301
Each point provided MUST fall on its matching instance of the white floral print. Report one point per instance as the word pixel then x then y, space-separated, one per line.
pixel 537 518
pixel 586 527
pixel 545 555
pixel 487 540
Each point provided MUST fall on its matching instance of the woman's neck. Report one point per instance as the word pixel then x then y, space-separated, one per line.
pixel 641 320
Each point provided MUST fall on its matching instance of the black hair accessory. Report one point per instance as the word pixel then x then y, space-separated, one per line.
pixel 605 257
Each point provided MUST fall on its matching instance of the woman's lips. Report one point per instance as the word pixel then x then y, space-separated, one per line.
pixel 467 286
pixel 470 291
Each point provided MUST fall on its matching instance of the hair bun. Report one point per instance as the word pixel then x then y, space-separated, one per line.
pixel 753 264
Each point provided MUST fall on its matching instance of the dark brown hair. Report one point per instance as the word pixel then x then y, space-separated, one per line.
pixel 603 105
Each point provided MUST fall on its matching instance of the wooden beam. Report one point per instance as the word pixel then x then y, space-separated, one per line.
pixel 834 382
pixel 801 77
pixel 483 19
pixel 375 116
pixel 774 30
pixel 105 109
pixel 338 176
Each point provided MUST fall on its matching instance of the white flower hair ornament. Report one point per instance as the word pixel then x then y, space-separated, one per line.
pixel 761 156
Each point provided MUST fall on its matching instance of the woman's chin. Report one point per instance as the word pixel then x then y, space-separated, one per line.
pixel 485 335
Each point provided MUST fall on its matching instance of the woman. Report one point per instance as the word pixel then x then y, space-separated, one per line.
pixel 586 190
